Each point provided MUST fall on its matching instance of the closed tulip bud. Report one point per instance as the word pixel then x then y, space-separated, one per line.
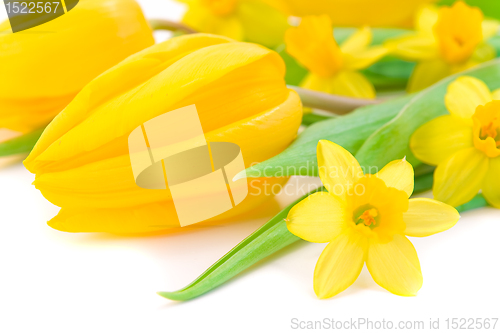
pixel 44 67
pixel 82 160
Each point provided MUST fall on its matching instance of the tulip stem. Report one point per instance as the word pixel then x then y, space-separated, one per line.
pixel 161 24
pixel 333 103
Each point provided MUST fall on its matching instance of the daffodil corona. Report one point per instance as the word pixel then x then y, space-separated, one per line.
pixel 82 161
pixel 245 20
pixel 366 218
pixel 333 69
pixel 447 40
pixel 465 145
pixel 43 68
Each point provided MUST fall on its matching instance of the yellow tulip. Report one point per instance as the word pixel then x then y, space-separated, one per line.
pixel 350 13
pixel 243 20
pixel 366 218
pixel 465 145
pixel 333 69
pixel 44 67
pixel 447 40
pixel 82 163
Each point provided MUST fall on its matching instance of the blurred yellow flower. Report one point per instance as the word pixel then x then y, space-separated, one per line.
pixel 82 161
pixel 366 218
pixel 350 13
pixel 333 69
pixel 447 40
pixel 244 20
pixel 44 67
pixel 465 145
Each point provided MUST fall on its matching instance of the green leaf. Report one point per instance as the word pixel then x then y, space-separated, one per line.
pixel 311 118
pixel 20 144
pixel 349 131
pixel 268 239
pixel 490 8
pixel 391 141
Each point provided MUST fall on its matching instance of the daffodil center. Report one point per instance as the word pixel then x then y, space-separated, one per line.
pixel 366 215
pixel 221 7
pixel 486 128
pixel 458 32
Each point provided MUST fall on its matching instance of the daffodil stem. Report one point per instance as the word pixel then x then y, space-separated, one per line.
pixel 161 24
pixel 268 239
pixel 333 103
pixel 21 144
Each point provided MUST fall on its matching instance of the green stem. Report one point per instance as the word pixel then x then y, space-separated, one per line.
pixel 20 144
pixel 311 118
pixel 160 24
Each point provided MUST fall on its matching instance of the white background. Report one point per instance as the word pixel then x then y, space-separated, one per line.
pixel 59 282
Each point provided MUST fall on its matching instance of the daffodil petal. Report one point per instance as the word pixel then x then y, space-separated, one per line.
pixel 491 184
pixel 496 94
pixel 426 73
pixel 364 58
pixel 427 217
pixel 464 95
pixel 319 218
pixel 426 17
pixel 352 84
pixel 440 138
pixel 414 47
pixel 398 174
pixel 338 169
pixel 490 28
pixel 340 264
pixel 358 41
pixel 395 266
pixel 458 179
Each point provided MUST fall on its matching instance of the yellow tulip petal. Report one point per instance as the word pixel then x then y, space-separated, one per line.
pixel 241 76
pixel 496 94
pixel 491 184
pixel 440 138
pixel 490 28
pixel 156 216
pixel 398 174
pixel 464 95
pixel 352 84
pixel 395 266
pixel 338 169
pixel 426 73
pixel 358 41
pixel 340 264
pixel 458 179
pixel 414 47
pixel 91 184
pixel 427 217
pixel 319 218
pixel 364 58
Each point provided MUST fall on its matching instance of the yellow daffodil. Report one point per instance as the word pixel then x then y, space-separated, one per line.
pixel 244 20
pixel 44 67
pixel 447 40
pixel 333 69
pixel 82 161
pixel 465 145
pixel 350 13
pixel 366 218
